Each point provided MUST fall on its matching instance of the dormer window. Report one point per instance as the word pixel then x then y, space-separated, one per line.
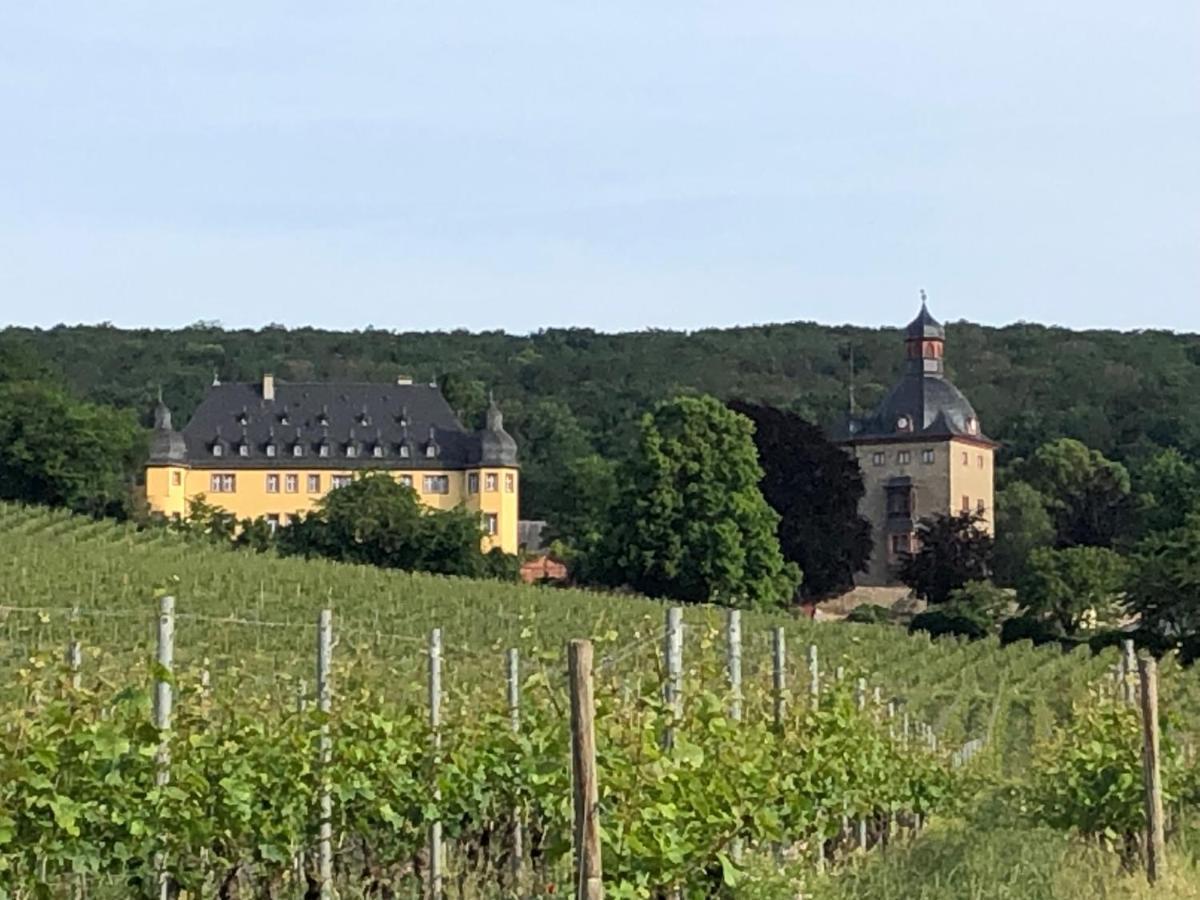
pixel 271 450
pixel 243 449
pixel 904 423
pixel 323 450
pixel 377 451
pixel 218 450
pixel 297 449
pixel 243 417
pixel 972 425
pixel 404 451
pixel 351 451
pixel 431 451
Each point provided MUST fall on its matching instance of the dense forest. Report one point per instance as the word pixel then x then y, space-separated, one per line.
pixel 570 391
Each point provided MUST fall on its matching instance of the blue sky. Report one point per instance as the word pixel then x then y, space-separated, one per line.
pixel 619 165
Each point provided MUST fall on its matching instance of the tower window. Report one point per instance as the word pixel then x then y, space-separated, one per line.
pixel 473 483
pixel 927 455
pixel 966 458
pixel 510 483
pixel 966 504
pixel 491 482
pixel 491 524
pixel 981 460
pixel 176 478
pixel 980 507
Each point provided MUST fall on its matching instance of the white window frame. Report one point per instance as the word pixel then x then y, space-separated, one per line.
pixel 291 483
pixel 272 482
pixel 491 524
pixel 313 483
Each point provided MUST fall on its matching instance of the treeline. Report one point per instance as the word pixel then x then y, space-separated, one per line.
pixel 568 393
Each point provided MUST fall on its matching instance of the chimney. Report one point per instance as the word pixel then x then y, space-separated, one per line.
pixel 268 387
pixel 403 379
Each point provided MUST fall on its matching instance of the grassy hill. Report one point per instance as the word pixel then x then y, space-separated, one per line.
pixel 248 621
pixel 64 576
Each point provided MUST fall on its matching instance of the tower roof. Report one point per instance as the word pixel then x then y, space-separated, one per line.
pixel 924 326
pixel 924 404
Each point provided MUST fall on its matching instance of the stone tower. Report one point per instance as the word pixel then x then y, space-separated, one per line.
pixel 922 453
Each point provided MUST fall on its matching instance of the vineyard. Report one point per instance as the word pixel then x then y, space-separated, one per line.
pixel 788 769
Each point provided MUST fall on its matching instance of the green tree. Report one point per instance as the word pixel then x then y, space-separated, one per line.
pixel 1163 588
pixel 1168 487
pixel 1022 525
pixel 1087 495
pixel 1072 587
pixel 377 521
pixel 815 487
pixel 971 611
pixel 692 524
pixel 58 451
pixel 584 524
pixel 953 550
pixel 551 440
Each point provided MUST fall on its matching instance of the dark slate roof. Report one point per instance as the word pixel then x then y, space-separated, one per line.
pixel 925 326
pixel 337 414
pixel 929 403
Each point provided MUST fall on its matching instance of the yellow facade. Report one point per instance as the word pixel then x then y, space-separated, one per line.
pixel 277 493
pixel 947 477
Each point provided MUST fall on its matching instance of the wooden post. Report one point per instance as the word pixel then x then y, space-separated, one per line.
pixel 513 675
pixel 733 664
pixel 860 703
pixel 163 699
pixel 325 747
pixel 298 859
pixel 673 686
pixel 1128 667
pixel 436 873
pixel 814 676
pixel 589 884
pixel 779 674
pixel 1156 862
pixel 733 661
pixel 74 661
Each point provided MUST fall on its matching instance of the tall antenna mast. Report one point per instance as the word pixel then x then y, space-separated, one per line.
pixel 852 405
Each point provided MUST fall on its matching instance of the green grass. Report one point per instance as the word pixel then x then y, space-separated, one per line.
pixel 978 859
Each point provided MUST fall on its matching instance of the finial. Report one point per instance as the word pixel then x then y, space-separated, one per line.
pixel 923 297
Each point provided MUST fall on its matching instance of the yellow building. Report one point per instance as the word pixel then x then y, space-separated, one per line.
pixel 273 449
pixel 922 453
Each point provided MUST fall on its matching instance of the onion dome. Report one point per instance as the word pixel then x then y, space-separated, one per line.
pixel 166 444
pixel 496 446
